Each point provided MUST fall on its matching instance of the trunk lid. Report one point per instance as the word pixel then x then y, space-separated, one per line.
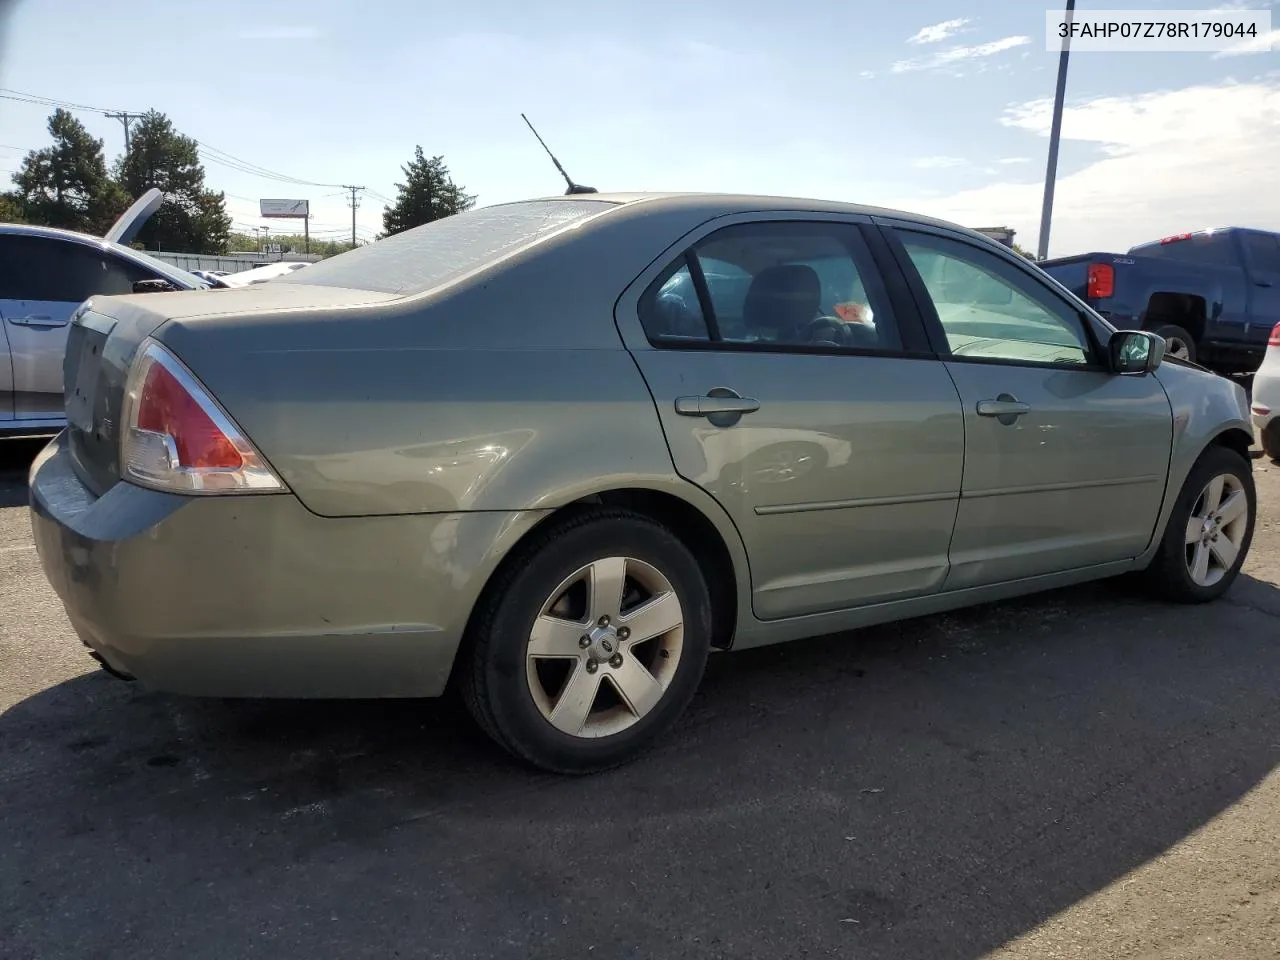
pixel 104 337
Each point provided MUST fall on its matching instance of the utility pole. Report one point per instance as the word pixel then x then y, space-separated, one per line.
pixel 355 202
pixel 1055 134
pixel 125 118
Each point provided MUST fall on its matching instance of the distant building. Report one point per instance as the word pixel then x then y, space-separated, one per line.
pixel 998 234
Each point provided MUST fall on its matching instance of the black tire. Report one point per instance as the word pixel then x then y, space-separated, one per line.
pixel 1168 574
pixel 1271 440
pixel 493 672
pixel 1175 335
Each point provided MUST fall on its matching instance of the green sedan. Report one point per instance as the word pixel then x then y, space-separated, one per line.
pixel 556 452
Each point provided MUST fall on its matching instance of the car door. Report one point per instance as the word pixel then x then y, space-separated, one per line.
pixel 6 372
pixel 834 444
pixel 1065 462
pixel 46 278
pixel 1263 253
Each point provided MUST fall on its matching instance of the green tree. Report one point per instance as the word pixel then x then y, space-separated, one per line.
pixel 67 184
pixel 192 219
pixel 289 242
pixel 1026 253
pixel 11 209
pixel 427 194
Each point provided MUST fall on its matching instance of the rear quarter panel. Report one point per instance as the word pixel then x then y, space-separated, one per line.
pixel 510 390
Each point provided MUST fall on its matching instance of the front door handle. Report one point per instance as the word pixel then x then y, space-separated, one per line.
pixel 38 321
pixel 711 405
pixel 1006 408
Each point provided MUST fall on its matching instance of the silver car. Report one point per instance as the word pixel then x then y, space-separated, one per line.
pixel 539 450
pixel 45 273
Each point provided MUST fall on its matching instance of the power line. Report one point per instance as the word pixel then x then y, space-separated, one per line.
pixel 212 153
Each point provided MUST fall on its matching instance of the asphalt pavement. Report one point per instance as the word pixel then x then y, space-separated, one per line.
pixel 1082 774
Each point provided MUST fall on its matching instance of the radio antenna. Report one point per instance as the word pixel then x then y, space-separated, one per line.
pixel 574 188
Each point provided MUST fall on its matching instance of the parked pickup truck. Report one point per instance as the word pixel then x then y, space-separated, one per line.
pixel 1214 295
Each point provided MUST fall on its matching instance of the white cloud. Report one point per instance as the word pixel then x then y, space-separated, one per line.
pixel 280 33
pixel 937 163
pixel 1014 160
pixel 1262 43
pixel 1172 160
pixel 867 74
pixel 955 55
pixel 938 31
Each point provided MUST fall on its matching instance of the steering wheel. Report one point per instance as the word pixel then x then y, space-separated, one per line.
pixel 828 329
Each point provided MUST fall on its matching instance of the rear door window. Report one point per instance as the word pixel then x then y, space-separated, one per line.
pixel 774 285
pixel 1263 250
pixel 46 268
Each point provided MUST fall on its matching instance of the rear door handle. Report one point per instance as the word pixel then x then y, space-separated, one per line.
pixel 1006 408
pixel 38 321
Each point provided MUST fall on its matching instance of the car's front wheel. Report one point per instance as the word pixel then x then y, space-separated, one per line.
pixel 1209 530
pixel 590 643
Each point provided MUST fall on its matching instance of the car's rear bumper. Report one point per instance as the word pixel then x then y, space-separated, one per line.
pixel 1265 402
pixel 255 596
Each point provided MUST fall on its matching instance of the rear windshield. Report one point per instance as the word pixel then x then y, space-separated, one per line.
pixel 1197 248
pixel 435 253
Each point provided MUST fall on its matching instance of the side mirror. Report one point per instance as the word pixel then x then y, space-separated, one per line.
pixel 151 286
pixel 1135 351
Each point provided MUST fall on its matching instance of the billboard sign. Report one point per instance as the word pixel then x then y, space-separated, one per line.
pixel 287 209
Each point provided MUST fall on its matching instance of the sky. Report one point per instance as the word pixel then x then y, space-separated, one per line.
pixel 932 106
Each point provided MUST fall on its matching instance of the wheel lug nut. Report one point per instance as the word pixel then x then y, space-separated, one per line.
pixel 623 633
pixel 592 666
pixel 584 641
pixel 616 660
pixel 604 621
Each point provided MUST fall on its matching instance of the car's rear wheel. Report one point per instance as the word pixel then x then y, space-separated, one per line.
pixel 1209 530
pixel 591 642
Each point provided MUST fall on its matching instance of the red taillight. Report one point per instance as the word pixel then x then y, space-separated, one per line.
pixel 1176 237
pixel 177 438
pixel 1102 281
pixel 166 408
pixel 1274 339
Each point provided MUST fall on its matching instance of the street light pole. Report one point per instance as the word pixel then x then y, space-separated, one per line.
pixel 1055 133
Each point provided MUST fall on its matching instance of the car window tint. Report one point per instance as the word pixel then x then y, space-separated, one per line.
pixel 1263 250
pixel 1213 248
pixel 670 311
pixel 45 268
pixel 989 311
pixel 795 284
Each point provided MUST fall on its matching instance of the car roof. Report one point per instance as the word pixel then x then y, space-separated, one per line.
pixel 719 204
pixel 56 233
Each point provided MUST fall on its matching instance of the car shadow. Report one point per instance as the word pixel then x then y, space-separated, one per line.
pixel 931 788
pixel 15 460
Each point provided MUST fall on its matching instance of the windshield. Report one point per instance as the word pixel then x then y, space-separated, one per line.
pixel 167 270
pixel 435 253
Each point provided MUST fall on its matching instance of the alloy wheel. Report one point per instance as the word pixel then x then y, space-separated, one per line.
pixel 604 647
pixel 1216 529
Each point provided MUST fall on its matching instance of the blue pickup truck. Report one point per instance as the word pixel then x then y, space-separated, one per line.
pixel 1214 295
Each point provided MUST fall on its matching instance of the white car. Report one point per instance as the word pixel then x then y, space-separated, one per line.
pixel 261 274
pixel 1266 397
